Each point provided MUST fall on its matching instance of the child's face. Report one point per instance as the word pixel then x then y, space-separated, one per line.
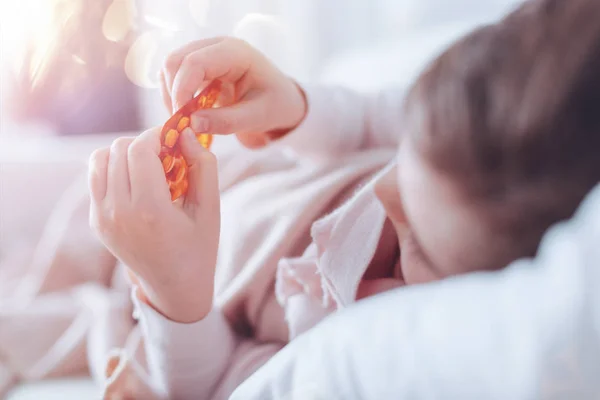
pixel 438 234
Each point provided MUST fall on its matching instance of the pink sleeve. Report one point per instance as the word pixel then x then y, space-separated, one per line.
pixel 202 360
pixel 340 120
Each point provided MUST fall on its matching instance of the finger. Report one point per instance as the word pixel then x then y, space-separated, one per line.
pixel 174 60
pixel 247 115
pixel 164 92
pixel 146 173
pixel 253 140
pixel 227 61
pixel 97 174
pixel 203 192
pixel 118 186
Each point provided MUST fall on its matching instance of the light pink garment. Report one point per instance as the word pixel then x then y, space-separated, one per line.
pixel 284 263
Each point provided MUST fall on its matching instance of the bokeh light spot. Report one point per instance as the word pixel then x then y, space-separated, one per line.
pixel 78 59
pixel 117 20
pixel 161 24
pixel 256 27
pixel 268 33
pixel 139 60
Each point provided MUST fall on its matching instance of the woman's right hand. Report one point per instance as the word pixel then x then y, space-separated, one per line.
pixel 264 103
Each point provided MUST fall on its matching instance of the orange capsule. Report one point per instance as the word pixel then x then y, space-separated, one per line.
pixel 171 138
pixel 211 97
pixel 174 170
pixel 172 185
pixel 183 123
pixel 204 139
pixel 179 185
pixel 168 162
pixel 170 155
pixel 176 193
pixel 181 172
pixel 184 187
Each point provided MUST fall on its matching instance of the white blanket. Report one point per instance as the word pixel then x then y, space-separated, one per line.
pixel 531 331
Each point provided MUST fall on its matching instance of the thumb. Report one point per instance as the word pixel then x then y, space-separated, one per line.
pixel 203 191
pixel 248 115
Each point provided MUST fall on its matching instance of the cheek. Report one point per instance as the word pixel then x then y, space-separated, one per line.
pixel 386 189
pixel 415 268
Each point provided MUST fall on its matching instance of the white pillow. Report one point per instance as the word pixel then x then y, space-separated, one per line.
pixel 59 389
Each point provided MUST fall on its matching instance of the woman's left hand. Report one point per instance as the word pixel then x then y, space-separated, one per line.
pixel 171 248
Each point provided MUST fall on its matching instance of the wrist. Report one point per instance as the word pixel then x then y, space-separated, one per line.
pixel 183 306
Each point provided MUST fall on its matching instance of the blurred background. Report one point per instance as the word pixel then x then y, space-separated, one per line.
pixel 73 67
pixel 75 74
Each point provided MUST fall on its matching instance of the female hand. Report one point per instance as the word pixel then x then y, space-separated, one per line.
pixel 171 249
pixel 264 103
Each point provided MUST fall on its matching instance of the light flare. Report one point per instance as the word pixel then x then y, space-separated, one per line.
pixel 32 32
pixel 162 24
pixel 78 60
pixel 138 62
pixel 118 20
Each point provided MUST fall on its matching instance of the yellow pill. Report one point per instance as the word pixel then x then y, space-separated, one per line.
pixel 184 187
pixel 183 123
pixel 181 173
pixel 175 194
pixel 204 139
pixel 168 163
pixel 171 138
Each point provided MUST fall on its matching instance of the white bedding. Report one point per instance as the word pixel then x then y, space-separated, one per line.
pixel 60 389
pixel 529 332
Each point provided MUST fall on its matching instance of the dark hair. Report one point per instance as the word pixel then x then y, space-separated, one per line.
pixel 511 114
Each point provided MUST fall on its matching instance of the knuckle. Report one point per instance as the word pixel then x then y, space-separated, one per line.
pixel 115 217
pixel 98 156
pixel 226 124
pixel 137 149
pixel 235 42
pixel 191 61
pixel 148 214
pixel 171 63
pixel 121 144
pixel 207 158
pixel 124 141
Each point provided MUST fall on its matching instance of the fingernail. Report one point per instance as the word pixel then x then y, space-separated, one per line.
pixel 189 135
pixel 199 124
